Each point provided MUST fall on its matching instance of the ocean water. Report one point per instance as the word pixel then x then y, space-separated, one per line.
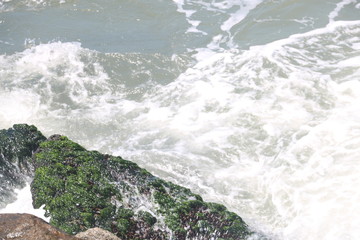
pixel 254 104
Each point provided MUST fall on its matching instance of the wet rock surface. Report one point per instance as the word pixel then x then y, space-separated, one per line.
pixel 29 227
pixel 84 189
pixel 96 234
pixel 17 145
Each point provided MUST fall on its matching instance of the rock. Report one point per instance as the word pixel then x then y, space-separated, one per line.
pixel 17 145
pixel 29 227
pixel 85 189
pixel 96 234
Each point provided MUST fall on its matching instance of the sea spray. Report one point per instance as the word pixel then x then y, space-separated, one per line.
pixel 23 204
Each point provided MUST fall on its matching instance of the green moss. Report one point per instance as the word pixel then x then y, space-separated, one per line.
pixel 82 189
pixel 88 219
pixel 217 208
pixel 237 227
pixel 17 145
pixel 158 185
pixel 144 172
pixel 193 205
pixel 124 213
pixel 123 226
pixel 69 181
pixel 24 127
pixel 107 212
pixel 173 221
pixel 48 186
pixel 164 200
pixel 124 221
pixel 61 144
pixel 147 217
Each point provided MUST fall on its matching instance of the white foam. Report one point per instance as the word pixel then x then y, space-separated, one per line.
pixel 282 119
pixel 10 5
pixel 23 204
pixel 244 8
pixel 47 76
pixel 234 11
pixel 351 62
pixel 272 132
pixel 18 106
pixel 333 14
pixel 188 13
pixel 319 192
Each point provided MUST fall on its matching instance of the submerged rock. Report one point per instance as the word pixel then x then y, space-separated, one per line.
pixel 29 227
pixel 17 145
pixel 85 189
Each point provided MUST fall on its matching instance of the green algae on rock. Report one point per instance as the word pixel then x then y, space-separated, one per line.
pixel 84 189
pixel 17 145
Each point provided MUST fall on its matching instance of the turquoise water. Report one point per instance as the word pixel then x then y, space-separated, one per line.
pixel 251 103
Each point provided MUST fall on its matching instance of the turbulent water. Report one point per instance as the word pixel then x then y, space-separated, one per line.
pixel 252 103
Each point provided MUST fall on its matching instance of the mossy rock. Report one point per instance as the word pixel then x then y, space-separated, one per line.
pixel 83 189
pixel 17 145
